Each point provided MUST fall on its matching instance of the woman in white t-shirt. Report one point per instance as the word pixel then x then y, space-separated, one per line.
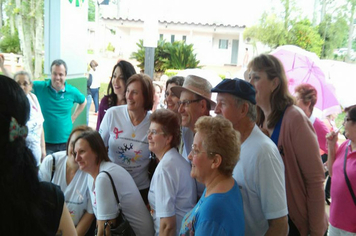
pixel 91 156
pixel 35 139
pixel 61 169
pixel 124 131
pixel 172 192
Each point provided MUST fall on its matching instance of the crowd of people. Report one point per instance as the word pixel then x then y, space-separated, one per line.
pixel 256 168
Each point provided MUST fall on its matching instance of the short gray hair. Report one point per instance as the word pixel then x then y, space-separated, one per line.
pixel 22 72
pixel 252 113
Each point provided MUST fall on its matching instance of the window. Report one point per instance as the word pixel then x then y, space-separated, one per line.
pixel 184 38
pixel 172 38
pixel 223 43
pixel 161 37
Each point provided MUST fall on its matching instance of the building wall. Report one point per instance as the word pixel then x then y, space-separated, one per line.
pixel 204 38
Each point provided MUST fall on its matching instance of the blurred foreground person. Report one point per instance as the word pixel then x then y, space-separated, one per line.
pixel 29 207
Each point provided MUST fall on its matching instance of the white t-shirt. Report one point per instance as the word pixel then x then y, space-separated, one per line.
pixel 76 194
pixel 128 144
pixel 95 79
pixel 34 125
pixel 104 202
pixel 260 175
pixel 172 191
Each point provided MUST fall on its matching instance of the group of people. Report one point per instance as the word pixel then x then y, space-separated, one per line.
pixel 253 169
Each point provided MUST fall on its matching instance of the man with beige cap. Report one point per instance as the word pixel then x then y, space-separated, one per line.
pixel 195 101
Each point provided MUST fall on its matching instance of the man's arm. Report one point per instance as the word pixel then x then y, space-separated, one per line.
pixel 278 226
pixel 78 110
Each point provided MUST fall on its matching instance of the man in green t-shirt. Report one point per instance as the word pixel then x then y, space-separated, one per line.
pixel 57 99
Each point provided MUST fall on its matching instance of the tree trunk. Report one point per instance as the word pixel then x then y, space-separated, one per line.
pixel 25 38
pixel 351 30
pixel 1 3
pixel 39 38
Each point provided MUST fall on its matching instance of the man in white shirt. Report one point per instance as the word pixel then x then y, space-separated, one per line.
pixel 260 170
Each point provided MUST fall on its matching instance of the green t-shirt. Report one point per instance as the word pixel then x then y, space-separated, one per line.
pixel 56 109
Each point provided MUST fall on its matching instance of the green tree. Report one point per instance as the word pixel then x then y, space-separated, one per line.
pixel 270 31
pixel 304 35
pixel 176 55
pixel 91 10
pixel 334 31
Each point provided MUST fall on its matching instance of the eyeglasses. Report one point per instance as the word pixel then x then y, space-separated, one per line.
pixel 346 119
pixel 153 132
pixel 187 102
pixel 195 152
pixel 25 84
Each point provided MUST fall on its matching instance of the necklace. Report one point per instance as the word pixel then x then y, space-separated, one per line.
pixel 133 135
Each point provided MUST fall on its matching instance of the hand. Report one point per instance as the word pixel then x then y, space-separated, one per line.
pixel 2 60
pixel 332 137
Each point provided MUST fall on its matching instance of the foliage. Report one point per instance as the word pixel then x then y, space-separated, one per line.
pixel 334 32
pixel 304 35
pixel 91 10
pixel 176 55
pixel 10 42
pixel 171 72
pixel 181 55
pixel 110 48
pixel 270 31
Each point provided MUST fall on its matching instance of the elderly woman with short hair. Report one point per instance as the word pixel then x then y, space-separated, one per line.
pixel 172 192
pixel 215 152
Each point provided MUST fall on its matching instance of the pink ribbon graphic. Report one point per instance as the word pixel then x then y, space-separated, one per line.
pixel 117 132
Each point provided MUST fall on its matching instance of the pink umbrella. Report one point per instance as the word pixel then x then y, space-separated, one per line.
pixel 302 66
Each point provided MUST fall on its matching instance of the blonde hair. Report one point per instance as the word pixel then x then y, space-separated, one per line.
pixel 220 138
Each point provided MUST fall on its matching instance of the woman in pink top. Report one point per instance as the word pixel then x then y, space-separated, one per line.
pixel 295 138
pixel 343 200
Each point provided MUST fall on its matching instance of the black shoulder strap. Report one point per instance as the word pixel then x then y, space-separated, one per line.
pixel 347 178
pixel 53 166
pixel 113 186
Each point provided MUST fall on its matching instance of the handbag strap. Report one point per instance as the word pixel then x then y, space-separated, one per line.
pixel 347 178
pixel 53 166
pixel 113 186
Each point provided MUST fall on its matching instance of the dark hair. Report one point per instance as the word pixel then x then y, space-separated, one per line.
pixel 80 128
pixel 147 89
pixel 19 184
pixel 280 97
pixel 59 62
pixel 170 123
pixel 96 144
pixel 351 111
pixel 308 94
pixel 127 70
pixel 178 80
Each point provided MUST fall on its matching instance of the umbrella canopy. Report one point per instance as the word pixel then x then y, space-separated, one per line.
pixel 302 66
pixel 342 76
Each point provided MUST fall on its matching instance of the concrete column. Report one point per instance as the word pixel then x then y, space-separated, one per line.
pixel 65 30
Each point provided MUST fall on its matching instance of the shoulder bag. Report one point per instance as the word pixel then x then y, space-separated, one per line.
pixel 123 227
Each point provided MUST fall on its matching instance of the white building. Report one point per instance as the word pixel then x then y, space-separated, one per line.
pixel 215 42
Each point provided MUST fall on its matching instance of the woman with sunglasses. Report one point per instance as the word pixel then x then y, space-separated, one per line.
pixel 342 170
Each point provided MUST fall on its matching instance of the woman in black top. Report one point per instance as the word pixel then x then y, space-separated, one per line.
pixel 28 207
